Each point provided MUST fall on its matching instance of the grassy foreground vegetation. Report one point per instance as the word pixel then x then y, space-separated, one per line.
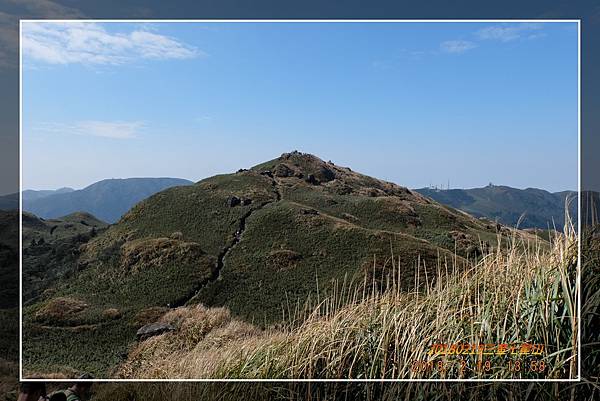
pixel 586 390
pixel 521 294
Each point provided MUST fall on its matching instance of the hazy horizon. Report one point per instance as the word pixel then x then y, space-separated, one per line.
pixel 411 103
pixel 441 186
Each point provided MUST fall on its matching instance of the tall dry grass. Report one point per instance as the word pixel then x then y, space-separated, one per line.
pixel 521 292
pixel 520 295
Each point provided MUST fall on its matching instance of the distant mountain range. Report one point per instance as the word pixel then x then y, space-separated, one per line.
pixel 527 208
pixel 11 201
pixel 32 195
pixel 107 200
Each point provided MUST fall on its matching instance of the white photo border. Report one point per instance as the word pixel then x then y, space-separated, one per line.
pixel 475 380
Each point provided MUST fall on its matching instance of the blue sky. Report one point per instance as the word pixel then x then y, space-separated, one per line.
pixel 412 103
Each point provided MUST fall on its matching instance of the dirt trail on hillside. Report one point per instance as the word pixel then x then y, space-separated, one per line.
pixel 216 274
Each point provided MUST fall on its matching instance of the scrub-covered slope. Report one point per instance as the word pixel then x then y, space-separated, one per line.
pixel 51 249
pixel 253 241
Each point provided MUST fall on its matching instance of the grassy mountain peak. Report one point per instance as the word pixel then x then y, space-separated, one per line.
pixel 258 242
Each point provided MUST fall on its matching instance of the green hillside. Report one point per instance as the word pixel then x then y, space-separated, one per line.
pixel 9 297
pixel 51 249
pixel 253 241
pixel 9 259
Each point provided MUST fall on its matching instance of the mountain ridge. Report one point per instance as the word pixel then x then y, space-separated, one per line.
pixel 252 241
pixel 525 208
pixel 107 199
pixel 471 200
